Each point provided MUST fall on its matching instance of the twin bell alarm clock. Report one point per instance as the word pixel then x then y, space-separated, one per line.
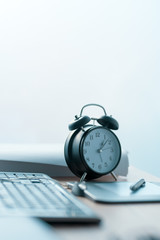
pixel 92 149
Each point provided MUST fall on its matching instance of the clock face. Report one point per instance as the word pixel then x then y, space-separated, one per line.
pixel 101 150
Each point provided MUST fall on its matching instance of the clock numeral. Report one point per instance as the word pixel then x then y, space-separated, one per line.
pixel 91 137
pixel 105 164
pixel 87 144
pixel 111 150
pixel 97 134
pixel 93 165
pixel 84 151
pixel 88 159
pixel 110 159
pixel 99 166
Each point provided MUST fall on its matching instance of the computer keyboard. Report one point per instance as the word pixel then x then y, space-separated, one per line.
pixel 38 195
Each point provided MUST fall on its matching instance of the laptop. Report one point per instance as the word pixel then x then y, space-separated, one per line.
pixel 38 195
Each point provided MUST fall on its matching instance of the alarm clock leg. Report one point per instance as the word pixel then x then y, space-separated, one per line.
pixel 114 176
pixel 79 187
pixel 83 177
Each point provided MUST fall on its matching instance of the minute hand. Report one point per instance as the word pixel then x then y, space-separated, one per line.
pixel 103 144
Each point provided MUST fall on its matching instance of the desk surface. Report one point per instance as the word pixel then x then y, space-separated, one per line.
pixel 119 221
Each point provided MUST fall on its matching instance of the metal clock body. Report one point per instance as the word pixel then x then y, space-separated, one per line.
pixel 94 150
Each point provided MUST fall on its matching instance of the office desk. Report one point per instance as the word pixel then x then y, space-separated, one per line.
pixel 125 221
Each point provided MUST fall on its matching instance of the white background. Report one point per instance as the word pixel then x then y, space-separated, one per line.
pixel 56 56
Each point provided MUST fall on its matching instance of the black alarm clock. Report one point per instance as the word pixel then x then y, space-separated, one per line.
pixel 92 150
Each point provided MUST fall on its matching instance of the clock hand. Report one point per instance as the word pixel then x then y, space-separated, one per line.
pixel 103 144
pixel 105 149
pixel 101 157
pixel 102 147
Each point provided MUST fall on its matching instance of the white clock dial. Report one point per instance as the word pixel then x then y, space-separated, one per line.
pixel 101 150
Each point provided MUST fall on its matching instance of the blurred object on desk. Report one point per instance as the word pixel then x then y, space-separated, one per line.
pixel 17 228
pixel 122 168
